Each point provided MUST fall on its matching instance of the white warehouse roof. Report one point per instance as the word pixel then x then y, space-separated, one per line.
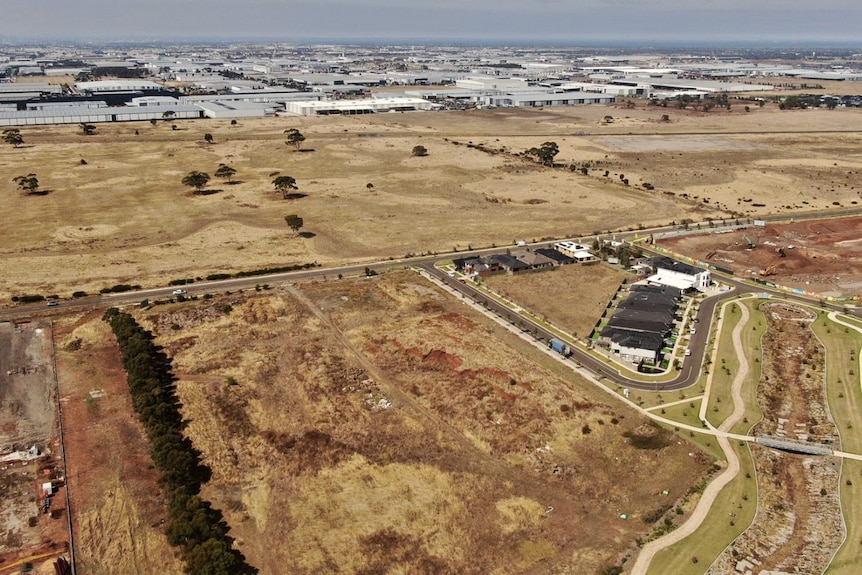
pixel 363 106
pixel 118 86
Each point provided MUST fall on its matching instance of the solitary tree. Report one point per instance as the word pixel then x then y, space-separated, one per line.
pixel 208 138
pixel 225 172
pixel 168 115
pixel 284 184
pixel 294 138
pixel 13 136
pixel 420 151
pixel 295 222
pixel 28 183
pixel 88 129
pixel 196 180
pixel 545 153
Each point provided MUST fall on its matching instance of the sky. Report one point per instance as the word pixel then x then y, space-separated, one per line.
pixel 575 22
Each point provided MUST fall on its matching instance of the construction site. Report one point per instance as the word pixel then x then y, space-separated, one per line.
pixel 817 257
pixel 34 525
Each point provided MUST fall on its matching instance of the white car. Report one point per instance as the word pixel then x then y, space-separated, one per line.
pixel 179 292
pixel 688 352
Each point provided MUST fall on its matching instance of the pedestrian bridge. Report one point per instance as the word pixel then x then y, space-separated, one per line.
pixel 795 446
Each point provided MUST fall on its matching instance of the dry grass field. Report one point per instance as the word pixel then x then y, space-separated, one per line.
pixel 124 217
pixel 380 426
pixel 572 297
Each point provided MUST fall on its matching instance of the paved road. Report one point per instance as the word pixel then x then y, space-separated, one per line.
pixel 687 376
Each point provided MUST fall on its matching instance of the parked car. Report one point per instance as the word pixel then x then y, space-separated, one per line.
pixel 53 303
pixel 179 292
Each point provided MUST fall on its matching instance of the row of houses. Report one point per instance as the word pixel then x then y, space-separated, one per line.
pixel 642 323
pixel 563 253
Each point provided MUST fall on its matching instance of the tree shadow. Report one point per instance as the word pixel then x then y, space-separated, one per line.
pixel 295 196
pixel 208 192
pixel 40 193
pixel 307 235
pixel 305 150
pixel 235 182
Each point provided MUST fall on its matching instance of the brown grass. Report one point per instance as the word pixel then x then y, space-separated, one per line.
pixel 399 433
pixel 573 297
pixel 125 217
pixel 118 508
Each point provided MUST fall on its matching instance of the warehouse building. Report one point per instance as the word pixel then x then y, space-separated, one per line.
pixel 539 99
pixel 362 106
pixel 77 114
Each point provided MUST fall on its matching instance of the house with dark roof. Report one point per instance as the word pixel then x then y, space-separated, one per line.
pixel 508 262
pixel 634 346
pixel 559 258
pixel 641 322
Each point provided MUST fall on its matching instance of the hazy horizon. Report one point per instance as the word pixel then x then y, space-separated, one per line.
pixel 557 22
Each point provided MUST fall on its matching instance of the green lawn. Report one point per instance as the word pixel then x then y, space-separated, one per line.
pixel 845 402
pixel 694 554
pixel 685 413
pixel 720 403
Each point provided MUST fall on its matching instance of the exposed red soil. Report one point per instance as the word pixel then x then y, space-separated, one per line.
pixel 822 257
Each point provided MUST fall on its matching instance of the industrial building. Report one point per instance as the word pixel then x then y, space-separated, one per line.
pixel 539 99
pixel 362 106
pixel 77 114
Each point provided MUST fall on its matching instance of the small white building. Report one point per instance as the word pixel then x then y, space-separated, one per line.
pixel 578 252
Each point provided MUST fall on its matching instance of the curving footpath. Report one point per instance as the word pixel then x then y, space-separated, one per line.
pixel 649 551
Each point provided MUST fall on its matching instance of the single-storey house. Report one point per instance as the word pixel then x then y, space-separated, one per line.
pixel 559 258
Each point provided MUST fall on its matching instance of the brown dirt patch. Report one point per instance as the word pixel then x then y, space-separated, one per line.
pixel 573 297
pixel 821 257
pixel 798 524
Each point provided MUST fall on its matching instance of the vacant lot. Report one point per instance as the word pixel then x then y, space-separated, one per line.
pixel 380 426
pixel 124 216
pixel 116 501
pixel 572 297
pixel 818 256
pixel 29 449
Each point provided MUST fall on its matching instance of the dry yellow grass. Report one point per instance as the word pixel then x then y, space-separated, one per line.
pixel 573 297
pixel 399 433
pixel 115 539
pixel 116 501
pixel 125 217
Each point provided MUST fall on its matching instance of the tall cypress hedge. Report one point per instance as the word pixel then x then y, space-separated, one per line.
pixel 194 524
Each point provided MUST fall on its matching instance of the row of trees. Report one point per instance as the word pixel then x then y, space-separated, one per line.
pixel 194 524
